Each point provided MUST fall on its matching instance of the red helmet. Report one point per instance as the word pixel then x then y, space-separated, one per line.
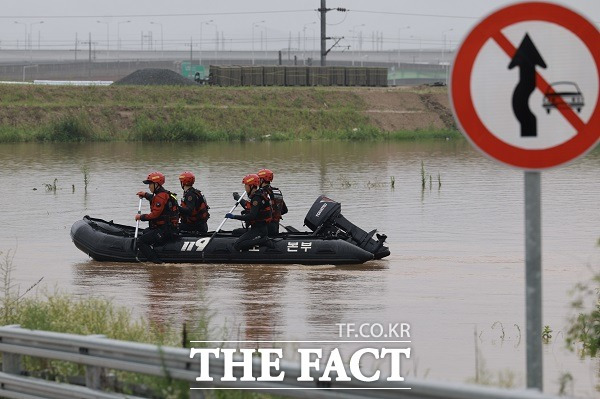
pixel 251 180
pixel 187 178
pixel 266 175
pixel 155 177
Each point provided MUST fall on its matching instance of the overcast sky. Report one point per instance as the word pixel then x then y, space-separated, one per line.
pixel 401 23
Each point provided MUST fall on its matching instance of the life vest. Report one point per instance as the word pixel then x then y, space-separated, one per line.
pixel 265 213
pixel 200 212
pixel 170 213
pixel 277 203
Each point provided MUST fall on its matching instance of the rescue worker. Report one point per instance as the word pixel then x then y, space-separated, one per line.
pixel 193 209
pixel 163 217
pixel 278 205
pixel 246 205
pixel 258 216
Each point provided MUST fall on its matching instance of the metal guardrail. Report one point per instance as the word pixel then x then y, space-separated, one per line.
pixel 98 354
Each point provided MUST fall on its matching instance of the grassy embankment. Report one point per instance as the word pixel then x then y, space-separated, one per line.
pixel 164 113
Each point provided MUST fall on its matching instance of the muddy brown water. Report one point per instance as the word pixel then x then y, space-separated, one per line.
pixel 457 263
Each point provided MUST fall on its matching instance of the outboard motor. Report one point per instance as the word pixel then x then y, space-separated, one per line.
pixel 325 219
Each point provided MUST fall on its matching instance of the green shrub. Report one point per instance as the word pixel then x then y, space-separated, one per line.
pixel 584 326
pixel 12 134
pixel 68 128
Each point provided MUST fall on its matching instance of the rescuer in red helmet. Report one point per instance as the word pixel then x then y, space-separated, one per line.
pixel 258 216
pixel 278 205
pixel 193 209
pixel 163 217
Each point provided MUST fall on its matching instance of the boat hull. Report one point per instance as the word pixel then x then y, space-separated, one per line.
pixel 107 241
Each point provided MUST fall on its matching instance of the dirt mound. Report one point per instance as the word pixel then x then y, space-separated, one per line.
pixel 440 104
pixel 392 109
pixel 152 76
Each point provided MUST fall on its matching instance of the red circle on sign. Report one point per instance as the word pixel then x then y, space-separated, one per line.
pixel 460 87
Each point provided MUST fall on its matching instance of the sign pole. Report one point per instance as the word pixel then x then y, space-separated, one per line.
pixel 525 136
pixel 533 279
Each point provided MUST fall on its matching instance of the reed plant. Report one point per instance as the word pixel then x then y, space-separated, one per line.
pixel 423 176
pixel 583 333
pixel 565 384
pixel 547 334
pixel 86 177
pixel 51 187
pixel 345 181
pixel 483 375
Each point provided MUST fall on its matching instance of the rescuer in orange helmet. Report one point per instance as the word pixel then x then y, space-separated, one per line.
pixel 163 217
pixel 258 216
pixel 277 203
pixel 193 209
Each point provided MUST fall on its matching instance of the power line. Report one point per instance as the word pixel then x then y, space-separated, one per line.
pixel 414 14
pixel 408 14
pixel 238 13
pixel 153 15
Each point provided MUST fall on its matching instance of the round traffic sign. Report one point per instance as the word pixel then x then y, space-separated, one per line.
pixel 524 85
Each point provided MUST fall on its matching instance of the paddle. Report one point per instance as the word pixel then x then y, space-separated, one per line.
pixel 137 224
pixel 224 220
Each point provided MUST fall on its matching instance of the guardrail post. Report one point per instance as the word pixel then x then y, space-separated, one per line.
pixel 94 376
pixel 196 394
pixel 11 362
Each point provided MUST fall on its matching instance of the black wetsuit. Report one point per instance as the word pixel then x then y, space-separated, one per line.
pixel 163 219
pixel 257 217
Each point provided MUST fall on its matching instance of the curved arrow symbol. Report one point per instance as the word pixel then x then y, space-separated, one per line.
pixel 526 58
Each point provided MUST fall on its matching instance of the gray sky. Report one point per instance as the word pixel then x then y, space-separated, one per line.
pixel 404 24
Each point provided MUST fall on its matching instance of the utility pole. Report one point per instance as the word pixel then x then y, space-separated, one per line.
pixel 289 45
pixel 323 11
pixel 89 43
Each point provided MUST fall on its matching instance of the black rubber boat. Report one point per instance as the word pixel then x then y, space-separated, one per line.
pixel 332 240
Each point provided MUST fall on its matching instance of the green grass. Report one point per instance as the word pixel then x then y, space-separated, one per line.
pixel 163 113
pixel 61 312
pixel 86 315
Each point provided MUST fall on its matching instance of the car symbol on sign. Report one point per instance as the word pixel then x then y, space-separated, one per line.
pixel 568 91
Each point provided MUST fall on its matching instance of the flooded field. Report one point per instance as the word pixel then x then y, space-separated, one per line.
pixel 457 263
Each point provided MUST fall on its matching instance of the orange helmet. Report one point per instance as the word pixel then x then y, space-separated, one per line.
pixel 155 177
pixel 266 175
pixel 251 180
pixel 187 178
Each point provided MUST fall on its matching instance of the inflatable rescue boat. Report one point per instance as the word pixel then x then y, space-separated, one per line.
pixel 332 240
